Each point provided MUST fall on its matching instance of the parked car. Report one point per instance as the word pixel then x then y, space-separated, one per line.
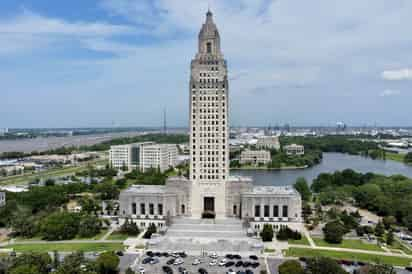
pixel 213 256
pixel 166 269
pixel 146 260
pixel 202 271
pixel 253 257
pixel 229 264
pixel 196 262
pixel 213 262
pixel 171 261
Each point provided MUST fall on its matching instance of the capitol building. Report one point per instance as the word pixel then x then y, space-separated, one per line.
pixel 210 191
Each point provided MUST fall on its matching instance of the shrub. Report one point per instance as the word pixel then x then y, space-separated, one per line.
pixel 267 233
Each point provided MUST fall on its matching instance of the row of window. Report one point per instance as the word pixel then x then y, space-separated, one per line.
pixel 209 171
pixel 209 177
pixel 208 110
pixel 208 92
pixel 151 209
pixel 266 211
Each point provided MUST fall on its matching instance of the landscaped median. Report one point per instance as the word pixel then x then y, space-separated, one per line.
pixel 345 255
pixel 64 247
pixel 350 244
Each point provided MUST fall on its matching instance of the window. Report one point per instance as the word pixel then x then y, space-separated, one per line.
pixel 209 47
pixel 151 209
pixel 285 211
pixel 134 209
pixel 142 209
pixel 183 209
pixel 160 209
pixel 257 211
pixel 275 211
pixel 266 211
pixel 234 210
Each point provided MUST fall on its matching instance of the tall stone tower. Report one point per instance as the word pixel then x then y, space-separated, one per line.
pixel 209 148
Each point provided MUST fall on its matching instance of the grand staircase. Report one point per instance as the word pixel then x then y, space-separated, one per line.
pixel 197 236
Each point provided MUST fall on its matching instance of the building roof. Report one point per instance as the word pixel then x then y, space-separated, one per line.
pixel 273 190
pixel 145 189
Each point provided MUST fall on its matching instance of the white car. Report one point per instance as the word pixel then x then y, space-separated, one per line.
pixel 196 262
pixel 222 262
pixel 178 262
pixel 141 270
pixel 213 262
pixel 213 255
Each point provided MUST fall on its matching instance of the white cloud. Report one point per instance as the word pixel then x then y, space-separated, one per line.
pixel 397 74
pixel 390 92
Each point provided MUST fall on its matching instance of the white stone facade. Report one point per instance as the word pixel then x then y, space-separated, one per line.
pixel 143 156
pixel 268 142
pixel 255 157
pixel 294 149
pixel 209 189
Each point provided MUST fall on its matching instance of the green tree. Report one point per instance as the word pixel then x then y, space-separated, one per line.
pixel 291 267
pixel 390 238
pixel 89 226
pixel 107 263
pixel 267 233
pixel 75 263
pixel 60 226
pixel 41 262
pixel 389 221
pixel 129 271
pixel 379 229
pixel 130 228
pixel 25 269
pixel 333 232
pixel 323 265
pixel 302 187
pixel 408 221
pixel 377 269
pixel 408 158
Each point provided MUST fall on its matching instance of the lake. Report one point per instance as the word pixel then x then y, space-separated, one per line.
pixel 331 162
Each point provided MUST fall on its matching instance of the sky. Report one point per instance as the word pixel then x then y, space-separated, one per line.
pixel 100 63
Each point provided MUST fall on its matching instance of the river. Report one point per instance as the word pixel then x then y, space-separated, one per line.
pixel 331 162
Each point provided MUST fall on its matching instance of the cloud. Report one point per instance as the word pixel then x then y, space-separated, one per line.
pixel 390 92
pixel 28 31
pixel 397 74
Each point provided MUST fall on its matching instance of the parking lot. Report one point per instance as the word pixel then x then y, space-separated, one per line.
pixel 155 263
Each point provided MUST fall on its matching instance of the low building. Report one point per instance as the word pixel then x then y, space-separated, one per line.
pixel 2 198
pixel 143 156
pixel 150 204
pixel 11 170
pixel 255 157
pixel 294 149
pixel 268 142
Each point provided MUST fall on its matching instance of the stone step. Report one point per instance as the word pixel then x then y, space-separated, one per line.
pixel 228 221
pixel 215 234
pixel 206 227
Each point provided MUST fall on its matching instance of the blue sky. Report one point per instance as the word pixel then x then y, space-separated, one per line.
pixel 120 62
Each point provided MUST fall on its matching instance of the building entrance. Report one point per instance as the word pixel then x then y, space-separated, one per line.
pixel 208 207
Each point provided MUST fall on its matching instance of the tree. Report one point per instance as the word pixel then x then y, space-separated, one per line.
pixel 302 187
pixel 25 269
pixel 267 233
pixel 389 221
pixel 379 229
pixel 291 267
pixel 24 225
pixel 333 232
pixel 130 228
pixel 323 265
pixel 89 226
pixel 408 158
pixel 390 238
pixel 107 263
pixel 408 221
pixel 129 271
pixel 107 190
pixel 60 226
pixel 149 231
pixel 377 269
pixel 40 261
pixel 75 263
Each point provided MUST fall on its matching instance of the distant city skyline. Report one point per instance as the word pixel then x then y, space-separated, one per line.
pixel 122 62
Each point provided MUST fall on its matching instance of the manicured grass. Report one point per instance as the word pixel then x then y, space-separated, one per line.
pixel 395 157
pixel 352 256
pixel 68 247
pixel 303 241
pixel 353 244
pixel 22 179
pixel 397 245
pixel 117 236
pixel 96 237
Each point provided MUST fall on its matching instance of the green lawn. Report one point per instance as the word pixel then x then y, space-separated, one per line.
pixel 303 241
pixel 97 237
pixel 397 245
pixel 353 244
pixel 67 247
pixel 395 157
pixel 22 179
pixel 117 236
pixel 342 255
